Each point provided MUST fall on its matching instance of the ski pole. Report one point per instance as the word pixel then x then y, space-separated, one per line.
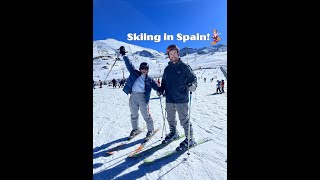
pixel 164 122
pixel 132 53
pixel 165 115
pixel 189 123
pixel 112 65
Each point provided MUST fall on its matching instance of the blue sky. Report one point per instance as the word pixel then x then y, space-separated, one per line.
pixel 116 18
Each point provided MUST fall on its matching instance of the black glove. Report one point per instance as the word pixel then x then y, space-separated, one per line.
pixel 122 50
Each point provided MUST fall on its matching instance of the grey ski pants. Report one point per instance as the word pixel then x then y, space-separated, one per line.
pixel 182 109
pixel 138 100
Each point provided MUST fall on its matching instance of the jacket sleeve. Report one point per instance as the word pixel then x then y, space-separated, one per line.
pixel 129 64
pixel 191 77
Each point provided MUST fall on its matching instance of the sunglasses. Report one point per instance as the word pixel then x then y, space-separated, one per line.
pixel 144 67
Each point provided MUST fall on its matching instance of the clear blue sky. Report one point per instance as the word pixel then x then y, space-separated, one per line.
pixel 116 18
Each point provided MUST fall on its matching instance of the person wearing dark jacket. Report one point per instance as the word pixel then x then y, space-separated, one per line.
pixel 139 85
pixel 218 87
pixel 177 80
pixel 114 83
pixel 121 83
pixel 222 86
pixel 100 83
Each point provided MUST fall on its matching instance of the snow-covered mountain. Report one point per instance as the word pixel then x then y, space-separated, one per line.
pixel 110 46
pixel 105 54
pixel 204 50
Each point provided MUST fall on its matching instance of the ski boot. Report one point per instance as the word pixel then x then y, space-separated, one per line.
pixel 184 144
pixel 171 136
pixel 149 135
pixel 133 133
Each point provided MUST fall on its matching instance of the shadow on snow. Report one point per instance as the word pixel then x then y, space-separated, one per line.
pixel 143 169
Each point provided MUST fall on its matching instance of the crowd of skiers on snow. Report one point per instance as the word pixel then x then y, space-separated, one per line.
pixel 219 86
pixel 115 83
pixel 121 82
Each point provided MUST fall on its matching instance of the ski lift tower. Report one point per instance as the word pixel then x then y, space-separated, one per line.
pixel 160 65
pixel 122 69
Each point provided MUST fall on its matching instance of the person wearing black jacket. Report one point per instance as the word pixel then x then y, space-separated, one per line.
pixel 177 80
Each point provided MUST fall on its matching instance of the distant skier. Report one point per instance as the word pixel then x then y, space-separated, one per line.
pixel 222 86
pixel 218 86
pixel 93 85
pixel 100 83
pixel 177 80
pixel 121 83
pixel 139 85
pixel 114 83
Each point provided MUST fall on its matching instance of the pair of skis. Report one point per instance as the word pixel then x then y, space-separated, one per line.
pixel 142 145
pixel 152 149
pixel 173 152
pixel 137 153
pixel 116 148
pixel 166 154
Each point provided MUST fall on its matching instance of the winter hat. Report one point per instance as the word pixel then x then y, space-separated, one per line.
pixel 144 65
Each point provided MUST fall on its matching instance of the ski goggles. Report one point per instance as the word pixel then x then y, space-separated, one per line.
pixel 144 67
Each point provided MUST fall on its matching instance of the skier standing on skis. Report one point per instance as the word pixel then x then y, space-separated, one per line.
pixel 100 83
pixel 222 85
pixel 139 85
pixel 218 87
pixel 177 80
pixel 114 83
